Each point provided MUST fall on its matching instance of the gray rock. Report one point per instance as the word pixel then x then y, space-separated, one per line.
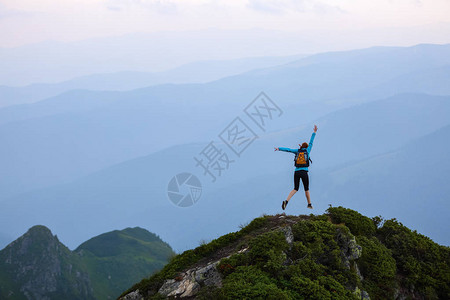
pixel 135 295
pixel 287 230
pixel 358 272
pixel 209 275
pixel 350 249
pixel 361 294
pixel 186 287
pixel 191 281
pixel 354 250
pixel 365 295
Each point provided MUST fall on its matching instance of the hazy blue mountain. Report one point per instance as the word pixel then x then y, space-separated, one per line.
pixel 325 76
pixel 62 146
pixel 345 76
pixel 319 82
pixel 69 102
pixel 133 193
pixel 201 71
pixel 158 51
pixel 36 151
pixel 434 81
pixel 145 52
pixel 38 266
pixel 96 129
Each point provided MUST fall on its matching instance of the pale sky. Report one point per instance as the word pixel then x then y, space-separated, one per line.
pixel 30 21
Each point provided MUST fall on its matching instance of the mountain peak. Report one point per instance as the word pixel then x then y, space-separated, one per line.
pixel 38 240
pixel 338 255
pixel 39 230
pixel 128 240
pixel 42 266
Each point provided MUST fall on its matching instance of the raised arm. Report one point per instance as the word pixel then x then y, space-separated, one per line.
pixel 311 141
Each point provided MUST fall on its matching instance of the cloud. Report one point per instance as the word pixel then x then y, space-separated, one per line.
pixel 114 8
pixel 6 12
pixel 158 6
pixel 322 8
pixel 272 6
pixel 285 6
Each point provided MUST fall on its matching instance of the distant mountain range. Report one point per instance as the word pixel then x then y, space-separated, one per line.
pixel 110 154
pixel 97 129
pixel 52 61
pixel 196 72
pixel 134 192
pixel 38 266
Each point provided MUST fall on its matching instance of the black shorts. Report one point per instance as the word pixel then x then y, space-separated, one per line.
pixel 305 179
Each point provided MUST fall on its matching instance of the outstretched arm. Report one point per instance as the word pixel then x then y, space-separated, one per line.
pixel 285 149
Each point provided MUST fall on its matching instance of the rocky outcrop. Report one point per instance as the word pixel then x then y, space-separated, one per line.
pixel 186 284
pixel 135 295
pixel 363 295
pixel 350 252
pixel 287 230
pixel 350 249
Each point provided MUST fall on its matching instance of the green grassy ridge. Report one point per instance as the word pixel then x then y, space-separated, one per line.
pixel 116 259
pixel 394 259
pixel 110 275
pixel 109 262
pixel 132 241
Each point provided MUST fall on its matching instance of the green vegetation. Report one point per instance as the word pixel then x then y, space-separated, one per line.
pixel 357 223
pixel 378 266
pixel 339 255
pixel 100 268
pixel 264 271
pixel 117 259
pixel 423 266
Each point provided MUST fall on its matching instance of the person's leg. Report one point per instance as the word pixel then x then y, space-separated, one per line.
pixel 308 197
pixel 296 185
pixel 290 195
pixel 305 181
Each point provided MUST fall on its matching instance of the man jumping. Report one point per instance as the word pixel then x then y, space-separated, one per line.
pixel 301 170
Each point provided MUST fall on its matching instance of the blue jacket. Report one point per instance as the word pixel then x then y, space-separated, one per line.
pixel 296 150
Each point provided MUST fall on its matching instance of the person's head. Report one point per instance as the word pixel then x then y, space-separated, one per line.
pixel 304 145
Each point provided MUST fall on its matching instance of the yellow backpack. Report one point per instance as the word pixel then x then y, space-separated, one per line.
pixel 302 158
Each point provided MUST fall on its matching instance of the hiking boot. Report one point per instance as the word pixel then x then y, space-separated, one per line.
pixel 310 206
pixel 284 204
